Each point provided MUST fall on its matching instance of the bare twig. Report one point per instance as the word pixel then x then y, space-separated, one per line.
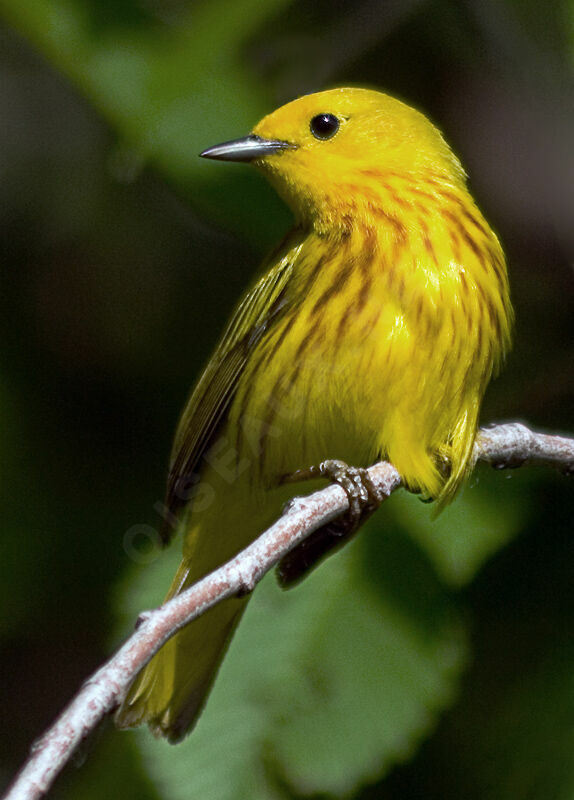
pixel 502 446
pixel 513 445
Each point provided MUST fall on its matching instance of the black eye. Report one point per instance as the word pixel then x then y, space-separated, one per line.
pixel 324 126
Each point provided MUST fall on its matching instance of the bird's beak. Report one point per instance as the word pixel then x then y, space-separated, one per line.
pixel 247 149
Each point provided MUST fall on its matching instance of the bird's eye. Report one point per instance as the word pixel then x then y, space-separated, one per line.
pixel 324 126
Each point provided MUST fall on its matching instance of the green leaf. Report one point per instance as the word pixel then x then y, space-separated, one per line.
pixel 326 686
pixel 491 510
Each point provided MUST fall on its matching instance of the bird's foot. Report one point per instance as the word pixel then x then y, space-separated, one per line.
pixel 364 499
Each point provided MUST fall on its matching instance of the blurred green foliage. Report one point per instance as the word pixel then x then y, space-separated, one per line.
pixel 326 685
pixel 430 658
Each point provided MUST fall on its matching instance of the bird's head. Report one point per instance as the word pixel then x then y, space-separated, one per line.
pixel 325 151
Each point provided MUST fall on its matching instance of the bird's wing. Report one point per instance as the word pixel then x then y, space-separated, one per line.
pixel 261 307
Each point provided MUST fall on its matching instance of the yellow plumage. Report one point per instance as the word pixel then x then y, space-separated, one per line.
pixel 372 334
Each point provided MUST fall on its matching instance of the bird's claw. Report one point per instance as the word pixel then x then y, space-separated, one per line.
pixel 364 498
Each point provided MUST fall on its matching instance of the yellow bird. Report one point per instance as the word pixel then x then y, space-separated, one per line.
pixel 372 334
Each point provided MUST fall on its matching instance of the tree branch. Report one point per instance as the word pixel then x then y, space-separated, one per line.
pixel 514 445
pixel 502 446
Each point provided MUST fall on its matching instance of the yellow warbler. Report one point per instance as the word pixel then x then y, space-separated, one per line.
pixel 372 334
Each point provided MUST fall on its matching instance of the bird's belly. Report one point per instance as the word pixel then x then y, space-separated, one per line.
pixel 326 396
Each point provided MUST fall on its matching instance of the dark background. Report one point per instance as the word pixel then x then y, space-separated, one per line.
pixel 122 255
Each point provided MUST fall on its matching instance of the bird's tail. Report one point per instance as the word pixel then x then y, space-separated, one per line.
pixel 170 692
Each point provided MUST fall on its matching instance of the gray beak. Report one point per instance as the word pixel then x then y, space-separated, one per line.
pixel 247 149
